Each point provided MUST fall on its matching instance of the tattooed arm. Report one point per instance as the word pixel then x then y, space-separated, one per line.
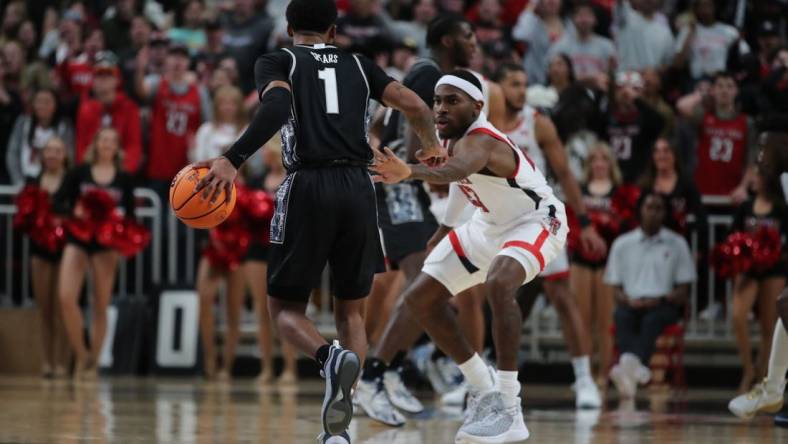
pixel 470 155
pixel 419 116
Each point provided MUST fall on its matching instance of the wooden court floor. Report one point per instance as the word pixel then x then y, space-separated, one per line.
pixel 124 410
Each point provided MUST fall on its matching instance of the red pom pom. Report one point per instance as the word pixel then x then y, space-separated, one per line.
pixel 766 249
pixel 98 205
pixel 734 255
pixel 624 205
pixel 127 236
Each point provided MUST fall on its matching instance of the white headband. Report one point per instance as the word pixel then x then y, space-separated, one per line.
pixel 463 85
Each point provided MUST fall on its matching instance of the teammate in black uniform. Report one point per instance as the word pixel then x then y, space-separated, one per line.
pixel 325 208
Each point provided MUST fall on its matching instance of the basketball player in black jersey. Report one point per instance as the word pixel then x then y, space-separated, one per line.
pixel 325 208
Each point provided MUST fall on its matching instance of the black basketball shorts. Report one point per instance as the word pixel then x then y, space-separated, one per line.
pixel 324 215
pixel 405 219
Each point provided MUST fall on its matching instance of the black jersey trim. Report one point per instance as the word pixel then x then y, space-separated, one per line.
pixel 294 154
pixel 366 102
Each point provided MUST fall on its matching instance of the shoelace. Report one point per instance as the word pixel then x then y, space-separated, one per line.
pixel 757 391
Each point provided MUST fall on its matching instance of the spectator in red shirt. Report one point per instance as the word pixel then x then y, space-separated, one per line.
pixel 179 104
pixel 726 145
pixel 109 107
pixel 76 73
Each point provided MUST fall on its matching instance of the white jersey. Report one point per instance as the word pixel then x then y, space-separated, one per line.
pixel 501 201
pixel 524 136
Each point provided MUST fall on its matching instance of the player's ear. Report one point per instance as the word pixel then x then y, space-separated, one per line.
pixel 331 33
pixel 447 41
pixel 290 31
pixel 478 106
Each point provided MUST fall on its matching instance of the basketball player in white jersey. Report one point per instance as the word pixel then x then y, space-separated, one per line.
pixel 518 227
pixel 536 135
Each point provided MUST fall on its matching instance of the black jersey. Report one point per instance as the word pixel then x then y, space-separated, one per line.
pixel 421 78
pixel 330 90
pixel 80 179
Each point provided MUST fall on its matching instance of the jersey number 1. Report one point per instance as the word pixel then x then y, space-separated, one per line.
pixel 329 76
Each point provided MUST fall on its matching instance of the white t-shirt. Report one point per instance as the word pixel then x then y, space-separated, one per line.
pixel 213 140
pixel 31 153
pixel 642 43
pixel 709 49
pixel 589 58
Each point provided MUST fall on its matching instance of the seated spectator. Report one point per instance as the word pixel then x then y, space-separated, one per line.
pixel 76 72
pixel 775 85
pixel 665 175
pixel 140 32
pixel 416 30
pixel 650 269
pixel 488 25
pixel 109 107
pixel 10 108
pixel 179 104
pixel 643 37
pixel 703 43
pixel 652 95
pixel 31 134
pixel 560 76
pixel 189 29
pixel 246 36
pixel 539 26
pixel 592 55
pixel 726 140
pixel 766 209
pixel 117 24
pixel 362 29
pixel 14 65
pixel 229 120
pixel 14 14
pixel 214 51
pixel 632 126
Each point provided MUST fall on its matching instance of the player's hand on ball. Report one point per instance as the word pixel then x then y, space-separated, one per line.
pixel 220 177
pixel 433 157
pixel 389 168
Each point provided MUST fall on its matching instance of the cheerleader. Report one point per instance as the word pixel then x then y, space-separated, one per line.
pixel 44 265
pixel 102 170
pixel 767 209
pixel 211 140
pixel 256 269
pixel 594 297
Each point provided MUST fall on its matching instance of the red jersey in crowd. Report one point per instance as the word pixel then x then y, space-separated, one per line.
pixel 722 153
pixel 123 115
pixel 175 118
pixel 76 75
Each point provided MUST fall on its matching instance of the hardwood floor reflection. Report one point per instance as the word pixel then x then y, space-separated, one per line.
pixel 193 411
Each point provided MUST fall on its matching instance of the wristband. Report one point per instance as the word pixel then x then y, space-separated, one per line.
pixel 583 220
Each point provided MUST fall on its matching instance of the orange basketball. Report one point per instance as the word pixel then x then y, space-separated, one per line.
pixel 189 206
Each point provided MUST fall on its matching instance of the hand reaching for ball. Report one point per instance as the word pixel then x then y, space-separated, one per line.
pixel 220 177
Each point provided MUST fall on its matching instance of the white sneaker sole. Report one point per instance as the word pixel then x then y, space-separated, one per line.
pixel 769 408
pixel 510 436
pixel 619 377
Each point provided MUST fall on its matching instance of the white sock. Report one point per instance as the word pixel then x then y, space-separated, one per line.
pixel 476 373
pixel 509 385
pixel 778 359
pixel 582 367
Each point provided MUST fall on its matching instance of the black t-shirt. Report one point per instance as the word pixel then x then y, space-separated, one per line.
pixel 632 138
pixel 368 34
pixel 80 180
pixel 421 78
pixel 331 89
pixel 745 218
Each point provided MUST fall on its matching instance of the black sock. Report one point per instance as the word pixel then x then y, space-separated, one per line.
pixel 396 363
pixel 322 354
pixel 373 369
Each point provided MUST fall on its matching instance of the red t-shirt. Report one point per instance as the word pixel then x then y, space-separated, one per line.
pixel 76 75
pixel 175 118
pixel 722 154
pixel 123 115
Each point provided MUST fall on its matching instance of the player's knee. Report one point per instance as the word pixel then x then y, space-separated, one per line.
pixel 500 289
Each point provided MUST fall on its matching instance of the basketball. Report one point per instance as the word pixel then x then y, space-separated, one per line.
pixel 189 206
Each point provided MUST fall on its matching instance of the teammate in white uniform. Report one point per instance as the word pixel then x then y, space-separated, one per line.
pixel 537 137
pixel 518 227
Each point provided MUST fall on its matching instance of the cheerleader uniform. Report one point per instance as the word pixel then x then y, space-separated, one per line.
pixel 80 180
pixel 596 204
pixel 36 249
pixel 746 220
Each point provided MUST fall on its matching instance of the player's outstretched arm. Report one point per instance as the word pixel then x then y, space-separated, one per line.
pixel 269 118
pixel 419 116
pixel 466 160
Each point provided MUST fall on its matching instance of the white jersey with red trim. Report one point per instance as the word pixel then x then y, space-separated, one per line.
pixel 524 136
pixel 503 200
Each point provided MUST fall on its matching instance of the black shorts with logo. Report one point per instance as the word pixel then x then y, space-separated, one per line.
pixel 324 215
pixel 406 221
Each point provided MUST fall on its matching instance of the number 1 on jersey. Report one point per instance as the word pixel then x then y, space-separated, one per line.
pixel 329 77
